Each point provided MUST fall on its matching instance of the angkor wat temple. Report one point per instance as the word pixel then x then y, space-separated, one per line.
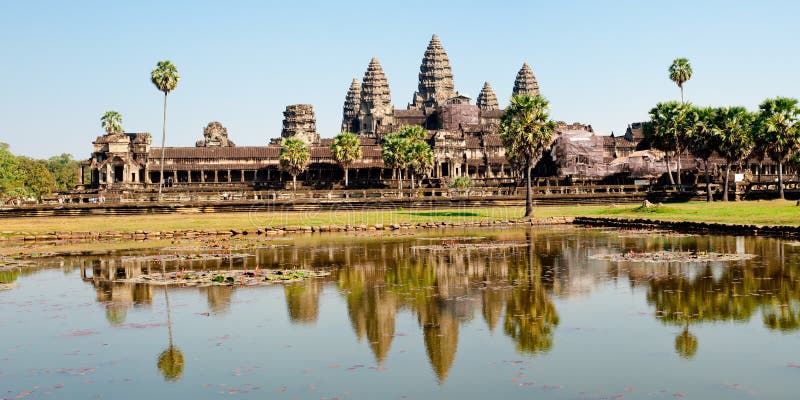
pixel 464 138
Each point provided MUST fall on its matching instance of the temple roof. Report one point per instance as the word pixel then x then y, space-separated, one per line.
pixel 487 100
pixel 525 82
pixel 242 152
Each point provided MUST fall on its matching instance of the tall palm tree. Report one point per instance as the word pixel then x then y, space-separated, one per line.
pixel 527 132
pixel 345 150
pixel 779 131
pixel 394 150
pixel 702 141
pixel 165 78
pixel 294 157
pixel 680 72
pixel 733 128
pixel 111 122
pixel 671 127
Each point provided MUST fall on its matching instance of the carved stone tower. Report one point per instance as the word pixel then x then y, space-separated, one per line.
pixel 215 135
pixel 525 82
pixel 376 102
pixel 299 122
pixel 487 100
pixel 435 77
pixel 352 103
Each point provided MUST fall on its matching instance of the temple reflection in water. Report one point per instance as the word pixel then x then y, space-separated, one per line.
pixel 513 289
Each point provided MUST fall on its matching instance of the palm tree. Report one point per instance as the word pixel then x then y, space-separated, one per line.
pixel 527 132
pixel 680 72
pixel 671 127
pixel 165 78
pixel 111 122
pixel 294 157
pixel 702 141
pixel 420 159
pixel 779 131
pixel 394 150
pixel 345 150
pixel 733 128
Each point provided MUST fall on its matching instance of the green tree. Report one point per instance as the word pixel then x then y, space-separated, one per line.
pixel 394 150
pixel 65 171
pixel 680 72
pixel 702 141
pixel 345 150
pixel 36 178
pixel 527 132
pixel 672 125
pixel 420 159
pixel 294 157
pixel 111 122
pixel 733 128
pixel 165 78
pixel 778 131
pixel 11 179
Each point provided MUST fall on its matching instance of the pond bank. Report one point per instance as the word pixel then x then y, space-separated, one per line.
pixel 786 231
pixel 273 230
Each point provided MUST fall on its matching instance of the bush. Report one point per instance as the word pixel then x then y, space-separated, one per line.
pixel 461 182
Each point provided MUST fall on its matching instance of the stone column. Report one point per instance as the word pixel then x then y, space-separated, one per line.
pixel 242 177
pixel 229 176
pixel 216 176
pixel 189 176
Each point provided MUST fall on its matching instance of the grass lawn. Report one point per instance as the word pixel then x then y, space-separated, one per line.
pixel 761 213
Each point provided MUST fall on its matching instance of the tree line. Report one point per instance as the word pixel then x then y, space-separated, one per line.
pixel 733 133
pixel 25 177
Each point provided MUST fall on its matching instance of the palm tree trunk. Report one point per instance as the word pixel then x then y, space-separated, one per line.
pixel 725 181
pixel 780 180
pixel 678 166
pixel 528 195
pixel 345 177
pixel 682 102
pixel 163 140
pixel 399 179
pixel 669 169
pixel 294 182
pixel 708 183
pixel 412 181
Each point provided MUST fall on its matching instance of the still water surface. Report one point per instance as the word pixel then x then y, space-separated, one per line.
pixel 534 317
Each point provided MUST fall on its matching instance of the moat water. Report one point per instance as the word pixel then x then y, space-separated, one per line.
pixel 415 315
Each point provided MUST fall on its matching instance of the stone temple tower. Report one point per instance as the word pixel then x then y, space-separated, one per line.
pixel 375 108
pixel 299 122
pixel 435 77
pixel 352 104
pixel 487 100
pixel 525 82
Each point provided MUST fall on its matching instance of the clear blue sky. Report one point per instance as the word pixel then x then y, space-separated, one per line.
pixel 603 63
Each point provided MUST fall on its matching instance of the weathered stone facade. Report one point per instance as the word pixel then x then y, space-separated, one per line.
pixel 215 135
pixel 299 121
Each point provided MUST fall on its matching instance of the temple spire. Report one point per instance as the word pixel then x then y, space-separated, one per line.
pixel 525 82
pixel 376 109
pixel 352 103
pixel 487 100
pixel 374 88
pixel 435 76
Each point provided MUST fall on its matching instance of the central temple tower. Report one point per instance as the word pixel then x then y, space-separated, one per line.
pixel 435 77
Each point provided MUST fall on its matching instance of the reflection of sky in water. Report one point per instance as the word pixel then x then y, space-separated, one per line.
pixel 534 321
